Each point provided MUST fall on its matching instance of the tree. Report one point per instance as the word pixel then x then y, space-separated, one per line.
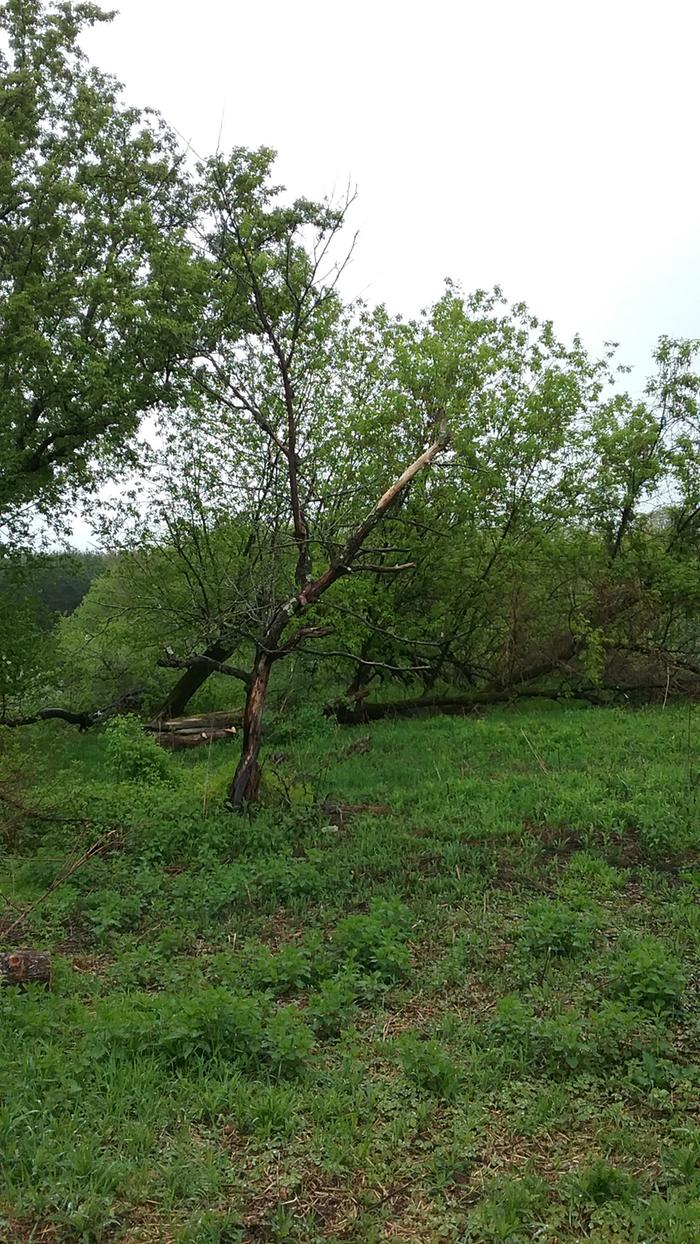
pixel 293 408
pixel 100 293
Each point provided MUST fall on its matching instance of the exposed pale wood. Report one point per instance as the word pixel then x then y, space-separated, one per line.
pixel 203 720
pixel 178 740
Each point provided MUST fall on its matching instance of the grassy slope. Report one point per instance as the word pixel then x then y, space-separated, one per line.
pixel 473 1019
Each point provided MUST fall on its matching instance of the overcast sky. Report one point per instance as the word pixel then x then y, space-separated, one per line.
pixel 549 146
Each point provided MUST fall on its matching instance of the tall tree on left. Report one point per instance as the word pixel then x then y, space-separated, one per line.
pixel 101 293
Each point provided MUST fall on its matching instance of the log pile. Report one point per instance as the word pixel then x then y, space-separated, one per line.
pixel 177 733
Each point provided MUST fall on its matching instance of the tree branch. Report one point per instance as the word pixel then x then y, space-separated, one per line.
pixel 202 662
pixel 85 720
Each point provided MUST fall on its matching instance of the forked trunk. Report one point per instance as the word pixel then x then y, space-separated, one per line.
pixel 189 683
pixel 246 779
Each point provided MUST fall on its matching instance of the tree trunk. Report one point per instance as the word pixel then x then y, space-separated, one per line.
pixel 189 683
pixel 246 779
pixel 361 712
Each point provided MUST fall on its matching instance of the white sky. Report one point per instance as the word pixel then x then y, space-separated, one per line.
pixel 550 146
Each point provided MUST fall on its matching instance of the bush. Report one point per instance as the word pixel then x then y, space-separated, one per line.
pixel 600 1183
pixel 288 1041
pixel 374 943
pixel 427 1065
pixel 281 973
pixel 331 1007
pixel 211 1024
pixel 555 930
pixel 647 976
pixel 133 755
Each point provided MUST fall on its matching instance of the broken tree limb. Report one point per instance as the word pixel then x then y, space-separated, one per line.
pixel 85 720
pixel 193 677
pixel 377 568
pixel 246 780
pixel 25 967
pixel 218 720
pixel 303 633
pixel 349 656
pixel 112 839
pixel 339 813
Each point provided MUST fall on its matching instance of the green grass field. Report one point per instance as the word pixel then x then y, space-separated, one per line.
pixel 469 1014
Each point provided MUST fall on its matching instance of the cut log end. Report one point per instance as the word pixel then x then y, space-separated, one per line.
pixel 25 967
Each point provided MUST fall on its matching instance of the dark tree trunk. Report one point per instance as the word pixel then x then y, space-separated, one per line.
pixel 362 712
pixel 189 683
pixel 246 779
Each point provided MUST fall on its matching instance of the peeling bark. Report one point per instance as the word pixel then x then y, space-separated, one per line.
pixel 246 780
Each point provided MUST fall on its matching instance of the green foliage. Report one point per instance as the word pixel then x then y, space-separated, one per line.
pixel 646 975
pixel 373 943
pixel 213 1024
pixel 333 1004
pixel 99 288
pixel 601 1183
pixel 427 1065
pixel 288 1041
pixel 221 1001
pixel 555 930
pixel 284 972
pixel 133 755
pixel 303 1025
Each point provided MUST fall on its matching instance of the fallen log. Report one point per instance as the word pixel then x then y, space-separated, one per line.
pixel 176 740
pixel 200 721
pixel 339 813
pixel 361 711
pixel 218 720
pixel 130 702
pixel 25 967
pixel 177 733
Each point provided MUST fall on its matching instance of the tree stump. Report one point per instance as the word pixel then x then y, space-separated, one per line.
pixel 23 967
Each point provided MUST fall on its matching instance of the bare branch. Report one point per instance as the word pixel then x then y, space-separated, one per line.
pixel 350 656
pixel 379 569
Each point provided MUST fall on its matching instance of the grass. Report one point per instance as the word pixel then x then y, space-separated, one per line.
pixel 470 1015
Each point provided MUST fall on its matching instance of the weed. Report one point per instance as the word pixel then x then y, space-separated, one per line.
pixel 646 975
pixel 428 1066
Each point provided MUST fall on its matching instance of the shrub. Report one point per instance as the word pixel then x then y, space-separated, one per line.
pixel 133 755
pixel 562 1045
pixel 647 976
pixel 600 1183
pixel 281 973
pixel 288 1041
pixel 373 943
pixel 331 1007
pixel 556 930
pixel 427 1065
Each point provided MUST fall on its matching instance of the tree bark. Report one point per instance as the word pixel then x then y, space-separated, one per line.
pixel 129 702
pixel 361 711
pixel 192 679
pixel 246 779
